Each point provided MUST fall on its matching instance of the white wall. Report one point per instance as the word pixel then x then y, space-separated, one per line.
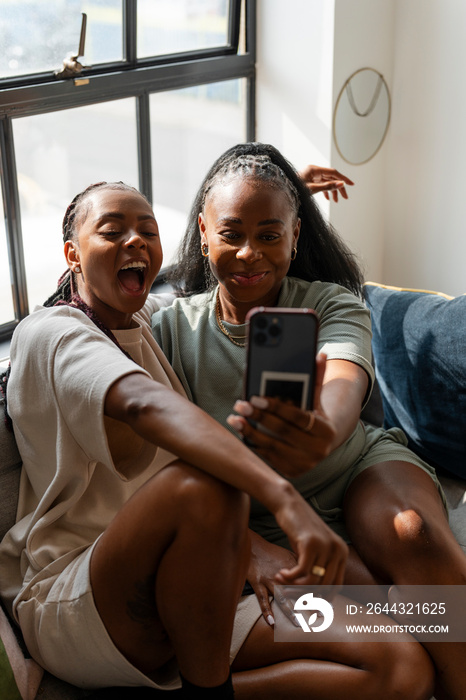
pixel 405 217
pixel 363 38
pixel 425 241
pixel 294 78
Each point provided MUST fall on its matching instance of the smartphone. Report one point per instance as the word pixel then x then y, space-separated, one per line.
pixel 281 355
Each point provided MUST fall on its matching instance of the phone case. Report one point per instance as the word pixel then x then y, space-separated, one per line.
pixel 281 353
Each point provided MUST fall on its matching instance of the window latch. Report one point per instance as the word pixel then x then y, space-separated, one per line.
pixel 71 66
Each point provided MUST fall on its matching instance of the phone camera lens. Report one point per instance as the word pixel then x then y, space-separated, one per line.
pixel 275 331
pixel 261 322
pixel 260 338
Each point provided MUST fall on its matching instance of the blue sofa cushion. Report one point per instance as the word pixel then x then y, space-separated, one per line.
pixel 419 346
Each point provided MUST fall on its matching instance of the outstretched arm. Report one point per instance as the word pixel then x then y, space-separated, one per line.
pixel 163 417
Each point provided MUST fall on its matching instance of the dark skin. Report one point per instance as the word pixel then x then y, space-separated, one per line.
pixel 337 670
pixel 327 180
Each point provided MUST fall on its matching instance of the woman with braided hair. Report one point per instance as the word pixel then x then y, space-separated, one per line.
pixel 256 238
pixel 129 554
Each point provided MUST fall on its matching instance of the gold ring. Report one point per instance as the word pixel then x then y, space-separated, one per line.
pixel 312 420
pixel 318 571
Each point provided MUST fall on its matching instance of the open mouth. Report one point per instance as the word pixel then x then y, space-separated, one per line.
pixel 132 277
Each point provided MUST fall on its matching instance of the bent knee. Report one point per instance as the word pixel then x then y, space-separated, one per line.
pixel 205 500
pixel 421 537
pixel 417 677
pixel 408 672
pixel 410 527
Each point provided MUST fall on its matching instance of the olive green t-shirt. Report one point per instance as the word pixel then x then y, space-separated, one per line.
pixel 211 367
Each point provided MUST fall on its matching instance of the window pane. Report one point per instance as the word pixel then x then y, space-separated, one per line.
pixel 58 155
pixel 190 128
pixel 173 26
pixel 6 299
pixel 35 35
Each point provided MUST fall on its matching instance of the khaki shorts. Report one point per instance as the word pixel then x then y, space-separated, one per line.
pixel 327 500
pixel 65 634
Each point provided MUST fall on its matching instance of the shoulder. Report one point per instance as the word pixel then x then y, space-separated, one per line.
pixel 185 311
pixel 60 353
pixel 51 337
pixel 46 324
pixel 318 295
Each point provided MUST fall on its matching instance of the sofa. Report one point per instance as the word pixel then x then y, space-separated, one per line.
pixel 419 347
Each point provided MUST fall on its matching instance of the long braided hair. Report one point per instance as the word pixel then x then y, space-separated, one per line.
pixel 66 293
pixel 322 255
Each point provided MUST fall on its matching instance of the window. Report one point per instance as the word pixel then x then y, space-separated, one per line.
pixel 167 85
pixel 166 27
pixel 37 36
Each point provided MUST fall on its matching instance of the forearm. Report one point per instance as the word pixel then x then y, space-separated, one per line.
pixel 344 388
pixel 166 419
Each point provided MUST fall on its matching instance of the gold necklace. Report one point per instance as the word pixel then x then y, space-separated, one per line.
pixel 222 327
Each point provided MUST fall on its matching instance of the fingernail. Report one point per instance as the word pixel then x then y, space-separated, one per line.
pixel 259 402
pixel 295 621
pixel 270 620
pixel 243 408
pixel 235 422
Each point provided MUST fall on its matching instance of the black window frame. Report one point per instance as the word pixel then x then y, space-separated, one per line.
pixel 139 78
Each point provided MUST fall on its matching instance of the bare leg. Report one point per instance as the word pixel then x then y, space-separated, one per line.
pixel 168 571
pixel 356 572
pixel 339 670
pixel 403 536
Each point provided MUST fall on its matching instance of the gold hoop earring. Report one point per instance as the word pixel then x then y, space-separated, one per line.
pixel 294 253
pixel 205 250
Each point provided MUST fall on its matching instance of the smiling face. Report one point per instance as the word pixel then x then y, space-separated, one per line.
pixel 117 247
pixel 250 230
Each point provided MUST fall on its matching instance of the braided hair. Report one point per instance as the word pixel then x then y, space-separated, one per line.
pixel 66 293
pixel 322 255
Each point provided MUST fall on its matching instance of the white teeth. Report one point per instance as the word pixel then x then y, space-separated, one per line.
pixel 138 265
